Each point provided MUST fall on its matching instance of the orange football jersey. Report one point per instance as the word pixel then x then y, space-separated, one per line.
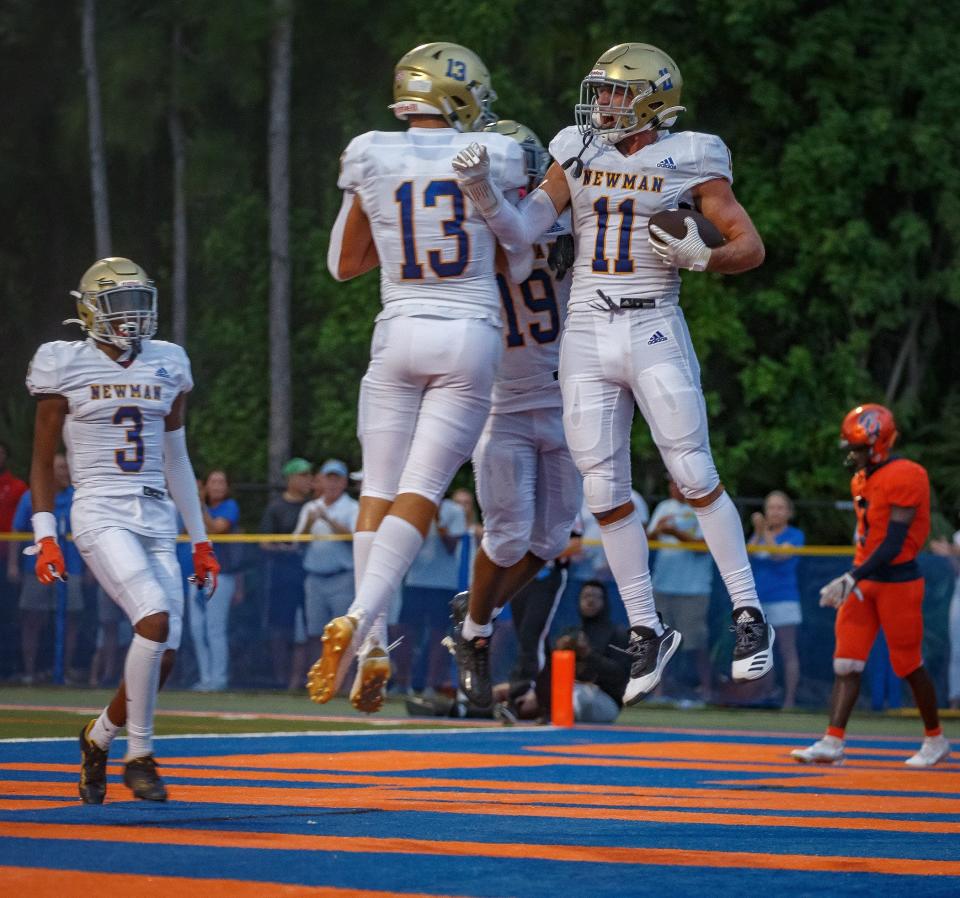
pixel 898 482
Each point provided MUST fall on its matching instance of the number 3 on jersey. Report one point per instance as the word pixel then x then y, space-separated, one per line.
pixel 126 463
pixel 546 303
pixel 412 270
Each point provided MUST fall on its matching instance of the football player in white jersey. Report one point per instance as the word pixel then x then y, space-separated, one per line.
pixel 118 400
pixel 528 486
pixel 626 340
pixel 437 341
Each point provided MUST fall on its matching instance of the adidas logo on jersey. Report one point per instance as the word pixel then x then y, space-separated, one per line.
pixel 656 338
pixel 162 372
pixel 667 163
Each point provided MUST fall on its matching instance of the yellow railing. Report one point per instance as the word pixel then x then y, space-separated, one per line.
pixel 817 551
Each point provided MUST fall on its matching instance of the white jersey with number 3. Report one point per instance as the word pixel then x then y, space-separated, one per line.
pixel 437 255
pixel 114 430
pixel 612 201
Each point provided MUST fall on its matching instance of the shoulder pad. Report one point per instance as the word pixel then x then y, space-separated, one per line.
pixel 707 156
pixel 43 372
pixel 566 143
pixel 351 162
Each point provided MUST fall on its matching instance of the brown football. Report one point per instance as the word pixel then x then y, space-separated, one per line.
pixel 672 221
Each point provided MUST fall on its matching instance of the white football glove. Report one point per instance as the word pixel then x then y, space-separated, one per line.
pixel 690 252
pixel 835 593
pixel 472 166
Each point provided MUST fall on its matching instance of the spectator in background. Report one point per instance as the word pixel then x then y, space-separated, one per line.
pixel 11 489
pixel 111 622
pixel 533 609
pixel 38 602
pixel 777 585
pixel 329 586
pixel 209 617
pixel 951 549
pixel 284 562
pixel 682 582
pixel 603 663
pixel 432 579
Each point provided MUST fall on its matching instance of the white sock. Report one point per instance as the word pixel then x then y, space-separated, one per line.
pixel 396 545
pixel 362 541
pixel 141 677
pixel 625 545
pixel 723 534
pixel 103 731
pixel 471 629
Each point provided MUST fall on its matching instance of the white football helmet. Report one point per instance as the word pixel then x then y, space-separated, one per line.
pixel 116 303
pixel 535 156
pixel 644 85
pixel 444 79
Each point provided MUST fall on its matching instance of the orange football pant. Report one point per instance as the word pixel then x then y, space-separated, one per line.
pixel 897 608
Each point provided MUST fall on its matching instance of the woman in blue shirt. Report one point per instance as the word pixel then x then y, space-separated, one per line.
pixel 209 616
pixel 777 586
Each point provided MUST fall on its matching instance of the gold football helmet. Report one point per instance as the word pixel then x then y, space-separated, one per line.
pixel 535 155
pixel 444 79
pixel 644 85
pixel 116 303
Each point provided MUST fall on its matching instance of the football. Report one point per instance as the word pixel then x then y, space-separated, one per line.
pixel 672 221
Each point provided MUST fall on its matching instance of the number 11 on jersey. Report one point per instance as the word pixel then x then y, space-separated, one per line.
pixel 623 264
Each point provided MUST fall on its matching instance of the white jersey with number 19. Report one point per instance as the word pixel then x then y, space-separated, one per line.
pixel 114 430
pixel 437 255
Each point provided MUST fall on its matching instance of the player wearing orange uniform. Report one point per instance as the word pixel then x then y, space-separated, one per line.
pixel 885 587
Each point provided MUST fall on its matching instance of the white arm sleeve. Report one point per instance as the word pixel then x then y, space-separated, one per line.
pixel 336 235
pixel 520 263
pixel 522 226
pixel 182 483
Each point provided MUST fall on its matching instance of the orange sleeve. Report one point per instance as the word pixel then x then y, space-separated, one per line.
pixel 910 489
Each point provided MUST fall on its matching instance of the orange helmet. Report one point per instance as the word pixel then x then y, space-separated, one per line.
pixel 872 426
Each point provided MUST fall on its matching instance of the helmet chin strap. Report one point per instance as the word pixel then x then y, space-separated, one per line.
pixel 576 161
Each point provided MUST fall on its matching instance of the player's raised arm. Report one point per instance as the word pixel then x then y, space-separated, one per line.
pixel 182 483
pixel 48 425
pixel 515 227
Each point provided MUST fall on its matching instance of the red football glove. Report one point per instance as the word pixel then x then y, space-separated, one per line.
pixel 50 565
pixel 206 568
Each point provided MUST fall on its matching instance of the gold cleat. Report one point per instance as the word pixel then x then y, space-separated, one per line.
pixel 370 683
pixel 327 672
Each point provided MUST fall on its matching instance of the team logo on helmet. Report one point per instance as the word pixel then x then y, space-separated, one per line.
pixel 870 422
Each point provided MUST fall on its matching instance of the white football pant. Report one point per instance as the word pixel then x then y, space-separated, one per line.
pixel 528 487
pixel 140 573
pixel 424 401
pixel 608 361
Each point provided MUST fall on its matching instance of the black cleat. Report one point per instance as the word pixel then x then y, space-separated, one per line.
pixel 650 654
pixel 459 605
pixel 93 769
pixel 472 657
pixel 753 647
pixel 140 775
pixel 473 669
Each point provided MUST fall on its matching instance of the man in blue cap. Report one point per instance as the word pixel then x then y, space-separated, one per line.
pixel 328 561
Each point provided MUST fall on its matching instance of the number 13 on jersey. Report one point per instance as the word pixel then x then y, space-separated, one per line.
pixel 435 191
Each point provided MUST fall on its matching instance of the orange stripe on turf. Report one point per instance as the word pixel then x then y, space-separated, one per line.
pixel 451 803
pixel 390 794
pixel 40 883
pixel 631 796
pixel 578 853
